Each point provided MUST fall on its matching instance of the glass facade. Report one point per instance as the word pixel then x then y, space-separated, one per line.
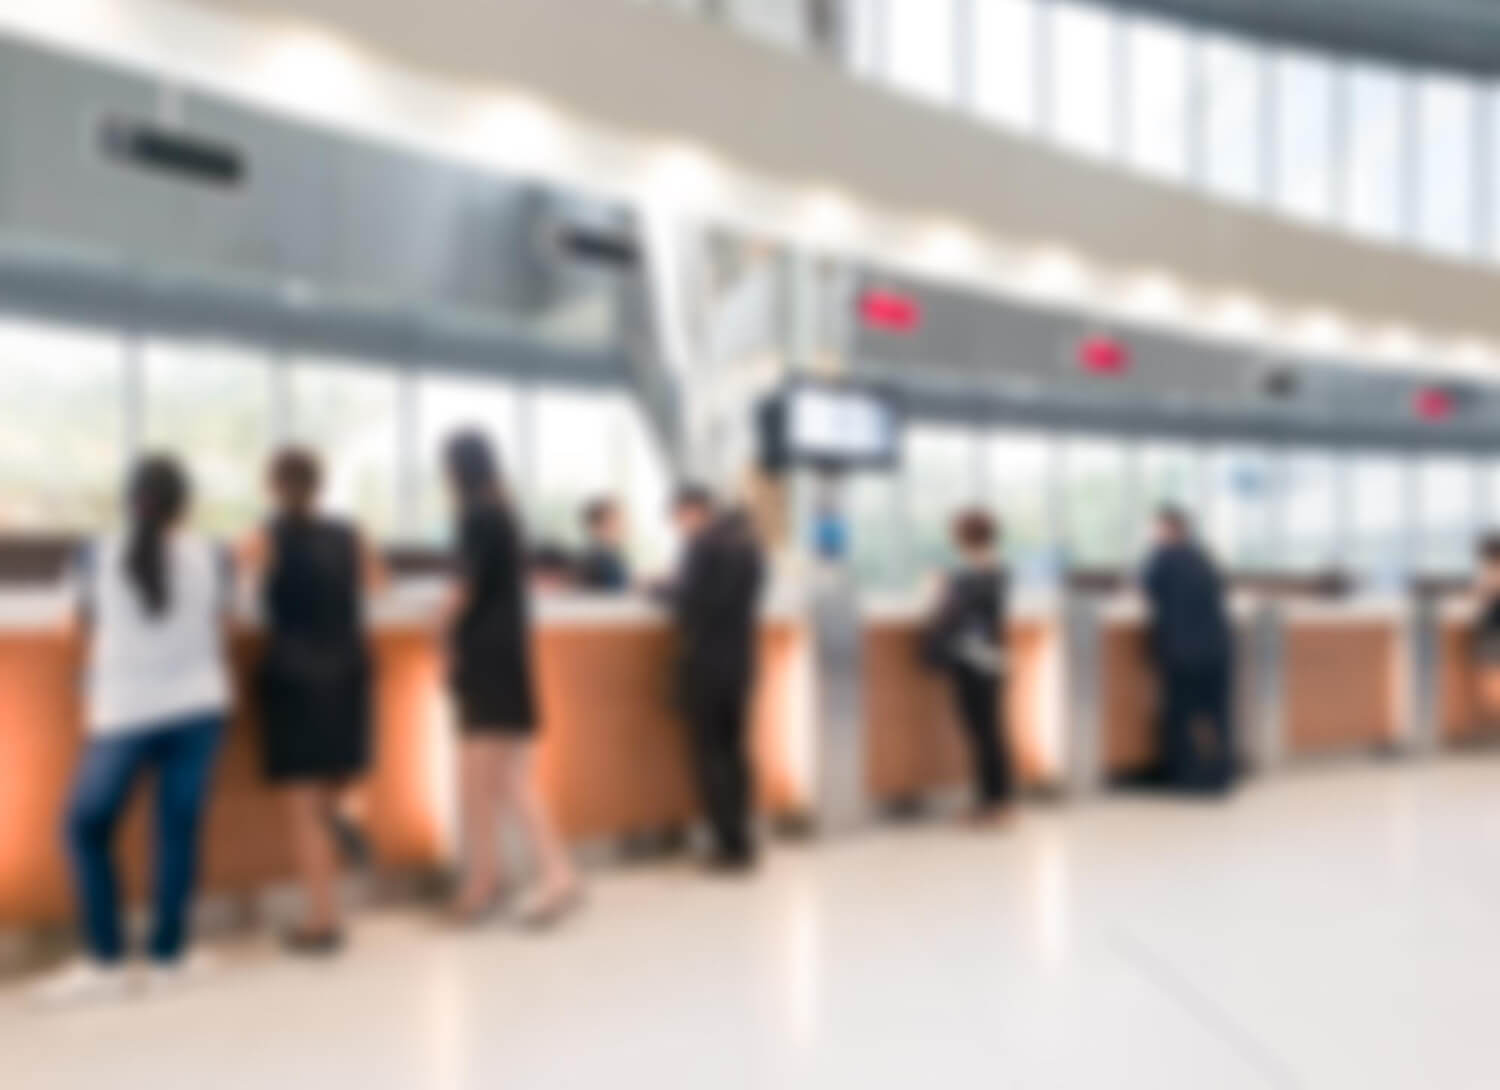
pixel 81 402
pixel 1397 156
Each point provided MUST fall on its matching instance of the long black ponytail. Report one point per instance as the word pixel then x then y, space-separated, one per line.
pixel 157 495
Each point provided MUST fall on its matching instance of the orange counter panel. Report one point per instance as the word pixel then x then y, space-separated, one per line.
pixel 1128 700
pixel 913 743
pixel 1340 686
pixel 40 739
pixel 613 758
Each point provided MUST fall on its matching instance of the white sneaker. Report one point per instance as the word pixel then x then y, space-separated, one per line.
pixel 166 977
pixel 81 983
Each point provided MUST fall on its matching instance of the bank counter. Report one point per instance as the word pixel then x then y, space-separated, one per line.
pixel 613 758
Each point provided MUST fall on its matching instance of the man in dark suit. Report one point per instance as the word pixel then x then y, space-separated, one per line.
pixel 714 602
pixel 602 566
pixel 1192 645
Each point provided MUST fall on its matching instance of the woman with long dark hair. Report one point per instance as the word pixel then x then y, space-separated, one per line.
pixel 493 689
pixel 154 601
pixel 312 572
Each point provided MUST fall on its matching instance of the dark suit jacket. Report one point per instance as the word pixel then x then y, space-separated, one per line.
pixel 603 568
pixel 1190 620
pixel 714 602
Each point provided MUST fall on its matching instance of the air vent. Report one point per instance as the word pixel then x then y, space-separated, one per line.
pixel 186 157
pixel 600 247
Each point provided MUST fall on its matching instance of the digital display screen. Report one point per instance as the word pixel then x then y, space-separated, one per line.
pixel 832 426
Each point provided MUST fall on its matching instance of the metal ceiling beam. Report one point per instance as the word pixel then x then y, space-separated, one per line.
pixel 1462 35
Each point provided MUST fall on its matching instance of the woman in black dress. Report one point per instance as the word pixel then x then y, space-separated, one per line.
pixel 1487 635
pixel 314 683
pixel 493 689
pixel 966 639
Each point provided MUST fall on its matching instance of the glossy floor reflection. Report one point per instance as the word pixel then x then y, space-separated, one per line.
pixel 1333 928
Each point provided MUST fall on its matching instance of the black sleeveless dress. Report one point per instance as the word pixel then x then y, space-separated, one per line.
pixel 316 675
pixel 491 638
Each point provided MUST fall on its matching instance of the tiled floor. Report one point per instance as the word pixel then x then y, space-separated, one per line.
pixel 1332 928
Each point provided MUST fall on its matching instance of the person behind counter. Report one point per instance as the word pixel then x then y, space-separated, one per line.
pixel 493 686
pixel 602 567
pixel 1192 647
pixel 311 572
pixel 154 601
pixel 965 638
pixel 714 600
pixel 1487 634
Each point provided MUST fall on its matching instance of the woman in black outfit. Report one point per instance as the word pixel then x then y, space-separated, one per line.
pixel 492 685
pixel 1487 635
pixel 314 682
pixel 966 638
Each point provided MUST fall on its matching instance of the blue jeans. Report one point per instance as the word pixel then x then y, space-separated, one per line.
pixel 182 753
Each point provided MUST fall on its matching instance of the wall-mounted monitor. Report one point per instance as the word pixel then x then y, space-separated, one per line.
pixel 829 426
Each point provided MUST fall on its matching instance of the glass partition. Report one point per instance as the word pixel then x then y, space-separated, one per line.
pixel 1096 505
pixel 1309 511
pixel 938 478
pixel 62 447
pixel 1019 475
pixel 1446 118
pixel 1304 135
pixel 1234 104
pixel 1241 504
pixel 877 532
pixel 1445 495
pixel 1376 152
pixel 579 452
pixel 212 404
pixel 1378 493
pixel 350 412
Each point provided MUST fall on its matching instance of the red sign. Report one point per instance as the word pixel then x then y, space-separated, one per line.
pixel 1434 404
pixel 1102 355
pixel 889 311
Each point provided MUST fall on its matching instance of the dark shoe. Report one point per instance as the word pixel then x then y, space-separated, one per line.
pixel 313 944
pixel 738 861
pixel 350 840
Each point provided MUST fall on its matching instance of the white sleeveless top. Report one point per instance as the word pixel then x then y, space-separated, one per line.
pixel 145 670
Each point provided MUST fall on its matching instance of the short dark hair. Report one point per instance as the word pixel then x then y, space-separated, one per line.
pixel 692 495
pixel 1489 549
pixel 975 528
pixel 597 510
pixel 296 475
pixel 1174 518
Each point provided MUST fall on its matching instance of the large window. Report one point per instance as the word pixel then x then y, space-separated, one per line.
pixel 939 477
pixel 1233 118
pixel 1082 96
pixel 1005 71
pixel 1445 496
pixel 1096 505
pixel 920 38
pixel 579 452
pixel 1158 99
pixel 1310 507
pixel 447 404
pixel 1377 153
pixel 876 527
pixel 1242 503
pixel 1019 479
pixel 211 405
pixel 350 412
pixel 61 445
pixel 1446 123
pixel 1378 494
pixel 1304 135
